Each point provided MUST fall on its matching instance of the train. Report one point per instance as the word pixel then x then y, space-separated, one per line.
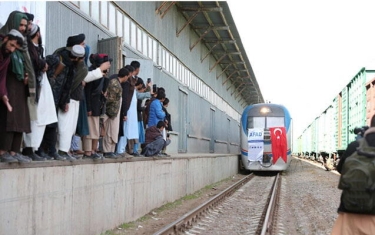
pixel 266 137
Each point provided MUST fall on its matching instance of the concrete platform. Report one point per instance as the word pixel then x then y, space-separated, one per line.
pixel 83 197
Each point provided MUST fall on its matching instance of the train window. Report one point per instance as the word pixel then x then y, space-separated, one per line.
pixel 256 122
pixel 275 121
pixel 264 122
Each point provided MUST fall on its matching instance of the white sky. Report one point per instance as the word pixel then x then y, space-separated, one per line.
pixel 303 53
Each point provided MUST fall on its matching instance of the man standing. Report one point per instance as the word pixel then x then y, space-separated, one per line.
pixel 94 93
pixel 44 96
pixel 128 88
pixel 61 73
pixel 19 75
pixel 349 222
pixel 112 118
pixel 11 42
pixel 156 113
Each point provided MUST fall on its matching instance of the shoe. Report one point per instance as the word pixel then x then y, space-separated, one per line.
pixel 110 155
pixel 78 157
pixel 44 155
pixel 67 156
pixel 56 156
pixel 27 157
pixel 6 157
pixel 135 154
pixel 96 156
pixel 36 157
pixel 78 152
pixel 93 156
pixel 21 158
pixel 165 154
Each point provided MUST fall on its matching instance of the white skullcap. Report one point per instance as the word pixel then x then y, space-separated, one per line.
pixel 15 33
pixel 78 51
pixel 34 28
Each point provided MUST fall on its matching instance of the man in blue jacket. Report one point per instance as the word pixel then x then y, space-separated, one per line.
pixel 156 113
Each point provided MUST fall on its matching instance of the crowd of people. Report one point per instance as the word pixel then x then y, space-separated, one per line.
pixel 53 104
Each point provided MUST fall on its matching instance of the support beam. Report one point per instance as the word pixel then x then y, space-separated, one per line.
pixel 164 8
pixel 217 62
pixel 169 7
pixel 229 77
pixel 158 10
pixel 223 70
pixel 187 23
pixel 221 58
pixel 206 32
pixel 237 88
pixel 228 65
pixel 230 86
pixel 244 102
pixel 201 9
pixel 239 92
pixel 200 38
pixel 212 27
pixel 209 52
pixel 219 41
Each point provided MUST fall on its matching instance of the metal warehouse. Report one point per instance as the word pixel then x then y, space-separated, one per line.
pixel 192 49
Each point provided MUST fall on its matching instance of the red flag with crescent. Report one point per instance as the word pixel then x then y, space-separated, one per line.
pixel 279 143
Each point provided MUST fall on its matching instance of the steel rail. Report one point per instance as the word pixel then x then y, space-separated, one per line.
pixel 184 222
pixel 271 206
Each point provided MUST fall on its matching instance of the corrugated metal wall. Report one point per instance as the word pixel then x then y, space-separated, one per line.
pixel 64 20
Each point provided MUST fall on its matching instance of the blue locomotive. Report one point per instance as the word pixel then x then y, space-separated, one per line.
pixel 266 137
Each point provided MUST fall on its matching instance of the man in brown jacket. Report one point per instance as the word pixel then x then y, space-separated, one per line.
pixel 154 140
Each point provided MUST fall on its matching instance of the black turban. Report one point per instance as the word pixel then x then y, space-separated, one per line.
pixel 75 40
pixel 29 16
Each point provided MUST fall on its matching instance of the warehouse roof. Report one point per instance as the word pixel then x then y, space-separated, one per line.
pixel 214 25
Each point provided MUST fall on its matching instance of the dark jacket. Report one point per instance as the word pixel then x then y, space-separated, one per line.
pixel 61 71
pixel 38 62
pixel 19 119
pixel 94 96
pixel 151 134
pixel 352 147
pixel 139 110
pixel 127 94
pixel 168 118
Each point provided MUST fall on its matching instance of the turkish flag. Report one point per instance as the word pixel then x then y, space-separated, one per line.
pixel 279 143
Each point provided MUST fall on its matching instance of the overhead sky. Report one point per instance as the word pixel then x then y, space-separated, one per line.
pixel 303 53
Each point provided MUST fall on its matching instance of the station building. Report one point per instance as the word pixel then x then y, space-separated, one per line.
pixel 192 49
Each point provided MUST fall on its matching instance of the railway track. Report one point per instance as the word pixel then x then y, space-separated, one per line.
pixel 253 196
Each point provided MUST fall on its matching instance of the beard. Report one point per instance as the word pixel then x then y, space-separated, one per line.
pixel 4 51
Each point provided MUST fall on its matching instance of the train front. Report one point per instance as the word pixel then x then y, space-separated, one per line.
pixel 266 136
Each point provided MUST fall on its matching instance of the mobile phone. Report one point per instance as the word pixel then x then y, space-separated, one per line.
pixel 148 80
pixel 154 88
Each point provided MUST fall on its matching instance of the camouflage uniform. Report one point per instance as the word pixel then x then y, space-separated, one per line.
pixel 112 118
pixel 114 94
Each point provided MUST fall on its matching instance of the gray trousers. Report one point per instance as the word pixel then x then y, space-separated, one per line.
pixel 155 147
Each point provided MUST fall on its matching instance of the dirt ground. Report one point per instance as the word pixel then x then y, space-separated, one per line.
pixel 165 215
pixel 308 204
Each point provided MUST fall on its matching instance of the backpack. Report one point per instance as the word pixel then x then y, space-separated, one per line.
pixel 357 180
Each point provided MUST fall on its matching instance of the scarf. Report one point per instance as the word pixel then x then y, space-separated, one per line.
pixel 80 75
pixel 19 63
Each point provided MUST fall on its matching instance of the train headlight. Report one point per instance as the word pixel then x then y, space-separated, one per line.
pixel 265 110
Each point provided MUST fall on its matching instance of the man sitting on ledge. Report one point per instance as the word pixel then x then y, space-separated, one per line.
pixel 154 142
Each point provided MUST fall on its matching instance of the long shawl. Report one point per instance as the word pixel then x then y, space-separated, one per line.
pixel 13 22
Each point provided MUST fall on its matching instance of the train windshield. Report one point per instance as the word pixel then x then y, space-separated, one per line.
pixel 265 122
